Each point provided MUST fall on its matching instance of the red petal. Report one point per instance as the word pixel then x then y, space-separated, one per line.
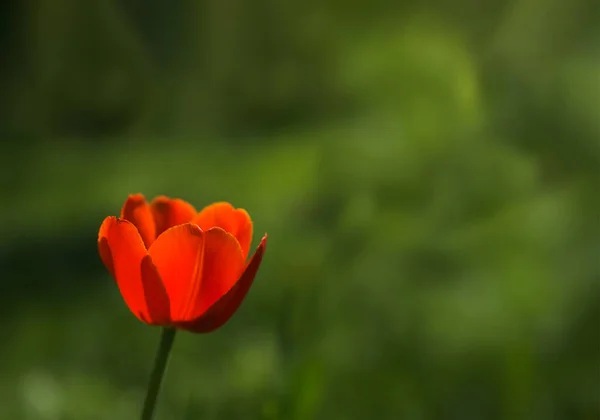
pixel 137 278
pixel 223 265
pixel 155 293
pixel 232 220
pixel 197 267
pixel 103 248
pixel 137 211
pixel 219 313
pixel 170 212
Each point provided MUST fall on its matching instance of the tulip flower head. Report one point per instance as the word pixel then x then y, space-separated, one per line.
pixel 176 267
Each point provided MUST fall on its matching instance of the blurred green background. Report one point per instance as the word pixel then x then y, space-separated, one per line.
pixel 428 174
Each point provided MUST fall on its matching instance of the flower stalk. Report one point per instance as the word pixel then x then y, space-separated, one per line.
pixel 160 366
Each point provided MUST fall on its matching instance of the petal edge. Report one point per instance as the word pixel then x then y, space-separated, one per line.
pixel 222 310
pixel 169 212
pixel 103 248
pixel 138 285
pixel 235 221
pixel 137 211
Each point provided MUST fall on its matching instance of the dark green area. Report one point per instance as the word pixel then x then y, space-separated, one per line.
pixel 428 174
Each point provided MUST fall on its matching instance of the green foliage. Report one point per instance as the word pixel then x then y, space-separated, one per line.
pixel 428 178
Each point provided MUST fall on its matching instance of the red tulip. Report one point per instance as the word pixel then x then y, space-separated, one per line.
pixel 177 267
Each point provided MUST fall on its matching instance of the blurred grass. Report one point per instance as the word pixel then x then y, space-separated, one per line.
pixel 442 287
pixel 67 179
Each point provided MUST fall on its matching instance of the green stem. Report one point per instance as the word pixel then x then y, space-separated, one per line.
pixel 160 365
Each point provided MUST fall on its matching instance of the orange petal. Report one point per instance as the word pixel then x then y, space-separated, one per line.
pixel 232 220
pixel 170 212
pixel 223 265
pixel 178 255
pixel 137 211
pixel 155 293
pixel 196 267
pixel 137 278
pixel 103 248
pixel 220 312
